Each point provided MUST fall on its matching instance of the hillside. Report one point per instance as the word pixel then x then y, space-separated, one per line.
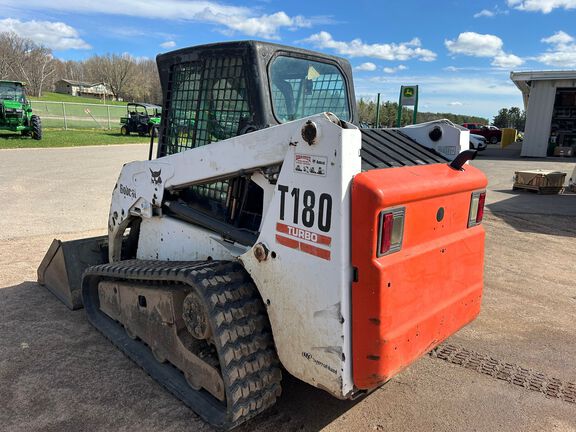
pixel 59 97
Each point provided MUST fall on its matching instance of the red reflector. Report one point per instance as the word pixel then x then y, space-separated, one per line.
pixel 386 234
pixel 480 213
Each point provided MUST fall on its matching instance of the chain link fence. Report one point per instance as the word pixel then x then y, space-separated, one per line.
pixel 73 115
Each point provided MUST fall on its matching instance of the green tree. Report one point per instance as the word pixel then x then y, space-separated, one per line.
pixel 389 113
pixel 517 118
pixel 366 111
pixel 512 117
pixel 502 119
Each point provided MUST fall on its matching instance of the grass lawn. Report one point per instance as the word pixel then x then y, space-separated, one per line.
pixel 69 138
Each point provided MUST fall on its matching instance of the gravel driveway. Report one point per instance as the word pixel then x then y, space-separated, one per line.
pixel 59 374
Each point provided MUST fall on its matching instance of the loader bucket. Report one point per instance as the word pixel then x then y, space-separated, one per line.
pixel 61 269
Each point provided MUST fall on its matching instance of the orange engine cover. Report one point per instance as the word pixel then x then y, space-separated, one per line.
pixel 407 302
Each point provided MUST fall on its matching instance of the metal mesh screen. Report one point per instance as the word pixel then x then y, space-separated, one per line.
pixel 207 101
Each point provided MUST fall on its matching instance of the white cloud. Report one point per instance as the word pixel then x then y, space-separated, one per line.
pixel 483 45
pixel 368 66
pixel 264 25
pixel 391 70
pixel 128 32
pixel 55 35
pixel 559 38
pixel 484 94
pixel 455 86
pixel 230 19
pixel 484 13
pixel 455 103
pixel 562 51
pixel 168 44
pixel 507 61
pixel 559 59
pixel 385 51
pixel 475 44
pixel 490 13
pixel 470 69
pixel 544 6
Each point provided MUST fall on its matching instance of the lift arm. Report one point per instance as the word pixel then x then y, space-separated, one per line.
pixel 140 188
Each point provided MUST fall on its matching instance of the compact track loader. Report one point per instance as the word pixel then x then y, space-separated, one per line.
pixel 271 234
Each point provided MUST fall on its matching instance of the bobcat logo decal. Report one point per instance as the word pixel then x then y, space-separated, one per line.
pixel 156 179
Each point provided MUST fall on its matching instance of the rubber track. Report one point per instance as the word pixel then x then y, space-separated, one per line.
pixel 508 372
pixel 241 332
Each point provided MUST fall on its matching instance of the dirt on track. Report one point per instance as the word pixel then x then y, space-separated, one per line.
pixel 59 374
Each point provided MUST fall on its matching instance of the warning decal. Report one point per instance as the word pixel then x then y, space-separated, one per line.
pixel 309 164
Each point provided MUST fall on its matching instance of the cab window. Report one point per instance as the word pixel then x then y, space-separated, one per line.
pixel 301 88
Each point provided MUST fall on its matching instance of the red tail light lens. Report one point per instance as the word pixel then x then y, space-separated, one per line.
pixel 480 213
pixel 476 208
pixel 386 233
pixel 390 231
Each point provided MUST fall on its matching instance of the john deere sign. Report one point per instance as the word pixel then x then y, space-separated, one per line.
pixel 408 97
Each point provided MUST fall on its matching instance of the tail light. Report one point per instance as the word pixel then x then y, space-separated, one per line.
pixel 390 231
pixel 476 208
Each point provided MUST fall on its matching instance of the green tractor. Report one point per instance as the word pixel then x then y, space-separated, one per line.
pixel 16 111
pixel 140 118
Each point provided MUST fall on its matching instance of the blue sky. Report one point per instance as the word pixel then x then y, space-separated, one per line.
pixel 459 52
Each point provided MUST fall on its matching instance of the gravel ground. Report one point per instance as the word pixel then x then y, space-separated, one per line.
pixel 58 374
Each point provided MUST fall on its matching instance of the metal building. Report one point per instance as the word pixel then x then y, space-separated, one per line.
pixel 550 104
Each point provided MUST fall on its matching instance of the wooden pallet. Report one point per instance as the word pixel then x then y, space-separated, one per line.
pixel 543 190
pixel 540 181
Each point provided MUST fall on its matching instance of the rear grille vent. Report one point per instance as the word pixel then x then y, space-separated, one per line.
pixel 387 148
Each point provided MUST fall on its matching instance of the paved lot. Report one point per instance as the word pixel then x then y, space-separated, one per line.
pixel 58 374
pixel 500 166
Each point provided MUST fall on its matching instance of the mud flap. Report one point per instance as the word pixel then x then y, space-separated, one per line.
pixel 61 269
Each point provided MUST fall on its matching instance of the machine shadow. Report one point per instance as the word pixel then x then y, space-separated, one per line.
pixel 300 408
pixel 31 315
pixel 540 214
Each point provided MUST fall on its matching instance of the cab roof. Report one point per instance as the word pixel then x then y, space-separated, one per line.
pixel 12 82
